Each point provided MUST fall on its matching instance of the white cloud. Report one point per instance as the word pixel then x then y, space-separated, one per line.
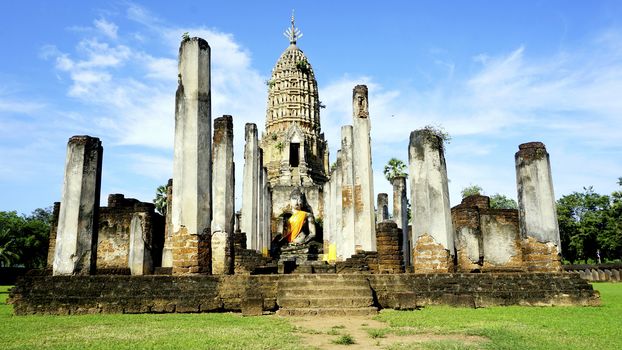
pixel 109 29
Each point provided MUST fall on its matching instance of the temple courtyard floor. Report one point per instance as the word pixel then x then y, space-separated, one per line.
pixel 433 327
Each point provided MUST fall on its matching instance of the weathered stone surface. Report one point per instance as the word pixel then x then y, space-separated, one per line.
pixel 223 196
pixel 167 252
pixel 537 209
pixel 250 185
pixel 65 295
pixel 400 214
pixel 115 227
pixel 53 228
pixel 192 162
pixel 364 223
pixel 76 237
pixel 382 207
pixel 431 215
pixel 348 240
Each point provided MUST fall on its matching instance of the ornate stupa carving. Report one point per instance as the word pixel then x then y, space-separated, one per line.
pixel 294 151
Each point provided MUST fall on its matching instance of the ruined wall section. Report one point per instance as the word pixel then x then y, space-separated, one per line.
pixel 115 226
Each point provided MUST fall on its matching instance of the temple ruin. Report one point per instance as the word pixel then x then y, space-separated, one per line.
pixel 308 238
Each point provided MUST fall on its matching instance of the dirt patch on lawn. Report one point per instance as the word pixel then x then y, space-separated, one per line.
pixel 331 333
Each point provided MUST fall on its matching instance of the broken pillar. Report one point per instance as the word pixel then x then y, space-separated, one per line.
pixel 382 207
pixel 400 214
pixel 223 187
pixel 250 183
pixel 167 249
pixel 536 207
pixel 365 224
pixel 140 261
pixel 192 162
pixel 348 245
pixel 53 227
pixel 433 236
pixel 388 239
pixel 76 238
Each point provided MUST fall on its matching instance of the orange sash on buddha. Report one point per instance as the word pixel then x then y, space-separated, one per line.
pixel 296 221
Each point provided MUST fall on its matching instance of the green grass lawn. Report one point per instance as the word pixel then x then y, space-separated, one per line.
pixel 161 331
pixel 503 327
pixel 517 327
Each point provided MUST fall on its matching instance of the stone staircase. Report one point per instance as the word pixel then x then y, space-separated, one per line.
pixel 325 295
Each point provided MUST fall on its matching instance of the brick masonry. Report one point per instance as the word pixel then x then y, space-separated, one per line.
pixel 63 295
pixel 430 256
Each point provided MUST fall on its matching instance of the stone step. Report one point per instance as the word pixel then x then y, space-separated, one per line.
pixel 304 302
pixel 333 312
pixel 325 292
pixel 322 282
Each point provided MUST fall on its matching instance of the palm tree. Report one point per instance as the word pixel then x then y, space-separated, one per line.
pixel 7 255
pixel 160 199
pixel 394 168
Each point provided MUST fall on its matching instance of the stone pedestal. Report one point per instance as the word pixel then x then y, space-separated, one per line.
pixel 192 163
pixel 433 236
pixel 536 206
pixel 76 238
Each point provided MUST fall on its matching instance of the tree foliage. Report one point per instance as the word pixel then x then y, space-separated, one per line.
pixel 24 239
pixel 590 224
pixel 472 191
pixel 394 168
pixel 160 199
pixel 497 201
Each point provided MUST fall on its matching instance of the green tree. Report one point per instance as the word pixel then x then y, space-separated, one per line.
pixel 590 222
pixel 160 199
pixel 499 201
pixel 24 239
pixel 472 191
pixel 394 168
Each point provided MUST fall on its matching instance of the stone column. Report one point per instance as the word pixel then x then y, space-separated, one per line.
pixel 53 228
pixel 249 185
pixel 337 213
pixel 433 235
pixel 223 185
pixel 400 214
pixel 167 249
pixel 382 207
pixel 365 225
pixel 192 162
pixel 328 211
pixel 140 261
pixel 536 208
pixel 266 213
pixel 76 237
pixel 389 250
pixel 348 246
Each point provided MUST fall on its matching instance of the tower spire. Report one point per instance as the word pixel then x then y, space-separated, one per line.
pixel 293 33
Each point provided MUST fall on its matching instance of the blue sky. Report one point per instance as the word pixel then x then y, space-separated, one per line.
pixel 494 74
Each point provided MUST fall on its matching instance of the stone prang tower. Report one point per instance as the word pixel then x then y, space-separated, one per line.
pixel 294 151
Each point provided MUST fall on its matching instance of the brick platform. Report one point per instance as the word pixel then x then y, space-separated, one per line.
pixel 62 295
